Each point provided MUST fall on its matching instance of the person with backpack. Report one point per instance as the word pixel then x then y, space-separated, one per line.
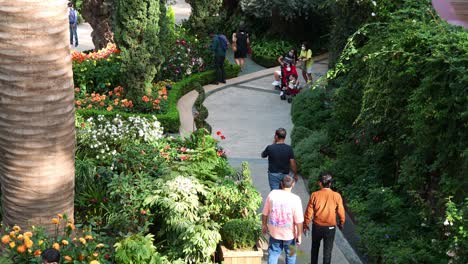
pixel 73 21
pixel 219 46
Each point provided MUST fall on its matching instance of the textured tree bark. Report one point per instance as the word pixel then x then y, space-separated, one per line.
pixel 37 131
pixel 98 13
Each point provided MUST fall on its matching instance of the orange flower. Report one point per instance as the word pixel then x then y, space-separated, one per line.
pixel 89 237
pixel 67 258
pixel 89 106
pixel 83 241
pixel 13 234
pixel 145 98
pixel 56 246
pixel 28 234
pixel 20 237
pixel 157 101
pixel 16 228
pixel 37 253
pixel 55 221
pixel 5 239
pixel 21 248
pixel 78 102
pixel 101 103
pixel 95 254
pixel 109 108
pixel 60 216
pixel 81 257
pixel 28 243
pixel 165 97
pixel 65 242
pixel 71 226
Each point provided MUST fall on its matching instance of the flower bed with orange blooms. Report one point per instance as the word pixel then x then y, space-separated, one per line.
pixel 75 246
pixel 111 49
pixel 114 100
pixel 97 71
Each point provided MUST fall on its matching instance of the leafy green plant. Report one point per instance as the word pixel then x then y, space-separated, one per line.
pixel 241 233
pixel 138 249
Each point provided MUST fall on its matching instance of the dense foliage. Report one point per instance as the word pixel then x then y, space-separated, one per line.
pixel 137 34
pixel 390 124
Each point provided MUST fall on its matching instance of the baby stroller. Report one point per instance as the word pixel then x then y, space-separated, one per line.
pixel 289 82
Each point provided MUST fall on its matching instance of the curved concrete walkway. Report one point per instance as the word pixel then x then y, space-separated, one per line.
pixel 248 110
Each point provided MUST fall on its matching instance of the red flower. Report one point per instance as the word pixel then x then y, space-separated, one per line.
pixel 218 133
pixel 106 256
pixel 223 137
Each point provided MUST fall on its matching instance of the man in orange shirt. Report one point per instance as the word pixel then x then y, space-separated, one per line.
pixel 322 209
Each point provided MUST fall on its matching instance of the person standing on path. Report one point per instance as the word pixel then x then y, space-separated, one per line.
pixel 219 49
pixel 282 218
pixel 322 209
pixel 73 22
pixel 280 159
pixel 241 38
pixel 306 57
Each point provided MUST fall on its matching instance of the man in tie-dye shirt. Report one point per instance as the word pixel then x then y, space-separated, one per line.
pixel 282 217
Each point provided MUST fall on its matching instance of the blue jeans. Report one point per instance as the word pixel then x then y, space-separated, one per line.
pixel 73 34
pixel 274 179
pixel 277 246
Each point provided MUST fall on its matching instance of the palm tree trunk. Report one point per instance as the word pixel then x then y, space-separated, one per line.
pixel 37 132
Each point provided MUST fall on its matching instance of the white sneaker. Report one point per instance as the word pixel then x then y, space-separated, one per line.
pixel 275 83
pixel 281 94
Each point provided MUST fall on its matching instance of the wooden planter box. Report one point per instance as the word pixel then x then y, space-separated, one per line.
pixel 241 256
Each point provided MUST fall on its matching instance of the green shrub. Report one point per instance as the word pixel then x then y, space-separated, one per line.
pixel 299 133
pixel 241 233
pixel 266 52
pixel 308 153
pixel 311 108
pixel 138 249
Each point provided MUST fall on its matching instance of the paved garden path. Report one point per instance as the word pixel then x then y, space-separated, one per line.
pixel 248 110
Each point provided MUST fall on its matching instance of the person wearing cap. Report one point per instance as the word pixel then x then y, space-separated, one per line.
pixel 282 218
pixel 322 209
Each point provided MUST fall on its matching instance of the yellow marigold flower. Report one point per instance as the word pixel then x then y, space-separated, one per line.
pixel 71 226
pixel 5 239
pixel 60 216
pixel 95 254
pixel 94 262
pixel 28 234
pixel 20 237
pixel 16 228
pixel 28 243
pixel 83 241
pixel 68 258
pixel 89 237
pixel 12 244
pixel 13 234
pixel 56 246
pixel 55 221
pixel 65 242
pixel 100 245
pixel 21 248
pixel 40 242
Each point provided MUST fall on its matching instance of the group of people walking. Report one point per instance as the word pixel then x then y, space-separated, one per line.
pixel 282 214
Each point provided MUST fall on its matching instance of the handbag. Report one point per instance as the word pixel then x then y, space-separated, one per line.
pixel 234 46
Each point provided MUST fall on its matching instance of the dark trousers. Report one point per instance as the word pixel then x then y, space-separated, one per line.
pixel 327 233
pixel 219 67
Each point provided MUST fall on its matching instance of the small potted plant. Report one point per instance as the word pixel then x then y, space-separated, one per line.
pixel 239 241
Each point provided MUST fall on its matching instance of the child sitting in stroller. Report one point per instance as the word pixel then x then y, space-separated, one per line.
pixel 289 85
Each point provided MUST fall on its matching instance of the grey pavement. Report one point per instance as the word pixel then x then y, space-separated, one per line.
pixel 181 9
pixel 84 38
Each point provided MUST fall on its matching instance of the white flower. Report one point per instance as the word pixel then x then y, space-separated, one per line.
pixel 374 3
pixel 373 14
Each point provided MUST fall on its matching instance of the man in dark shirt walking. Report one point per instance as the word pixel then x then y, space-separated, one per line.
pixel 280 160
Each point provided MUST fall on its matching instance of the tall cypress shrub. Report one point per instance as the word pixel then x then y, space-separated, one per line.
pixel 136 34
